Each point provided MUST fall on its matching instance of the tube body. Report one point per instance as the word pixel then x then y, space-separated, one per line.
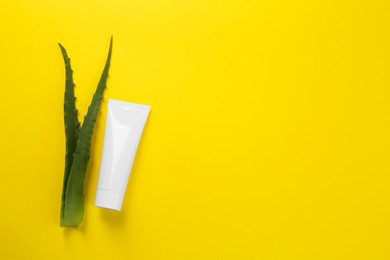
pixel 124 126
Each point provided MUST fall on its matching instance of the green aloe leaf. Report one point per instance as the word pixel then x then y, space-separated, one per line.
pixel 71 124
pixel 74 199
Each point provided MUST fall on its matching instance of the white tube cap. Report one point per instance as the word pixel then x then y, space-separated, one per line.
pixel 108 199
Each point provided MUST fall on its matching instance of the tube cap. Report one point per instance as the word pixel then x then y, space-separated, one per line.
pixel 108 199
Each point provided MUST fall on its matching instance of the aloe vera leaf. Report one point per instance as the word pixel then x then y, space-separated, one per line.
pixel 72 124
pixel 74 199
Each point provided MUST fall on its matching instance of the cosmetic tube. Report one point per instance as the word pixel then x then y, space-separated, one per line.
pixel 124 126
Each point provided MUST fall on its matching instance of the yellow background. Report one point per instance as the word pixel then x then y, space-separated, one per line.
pixel 269 135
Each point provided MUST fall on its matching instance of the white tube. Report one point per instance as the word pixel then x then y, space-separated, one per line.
pixel 124 126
